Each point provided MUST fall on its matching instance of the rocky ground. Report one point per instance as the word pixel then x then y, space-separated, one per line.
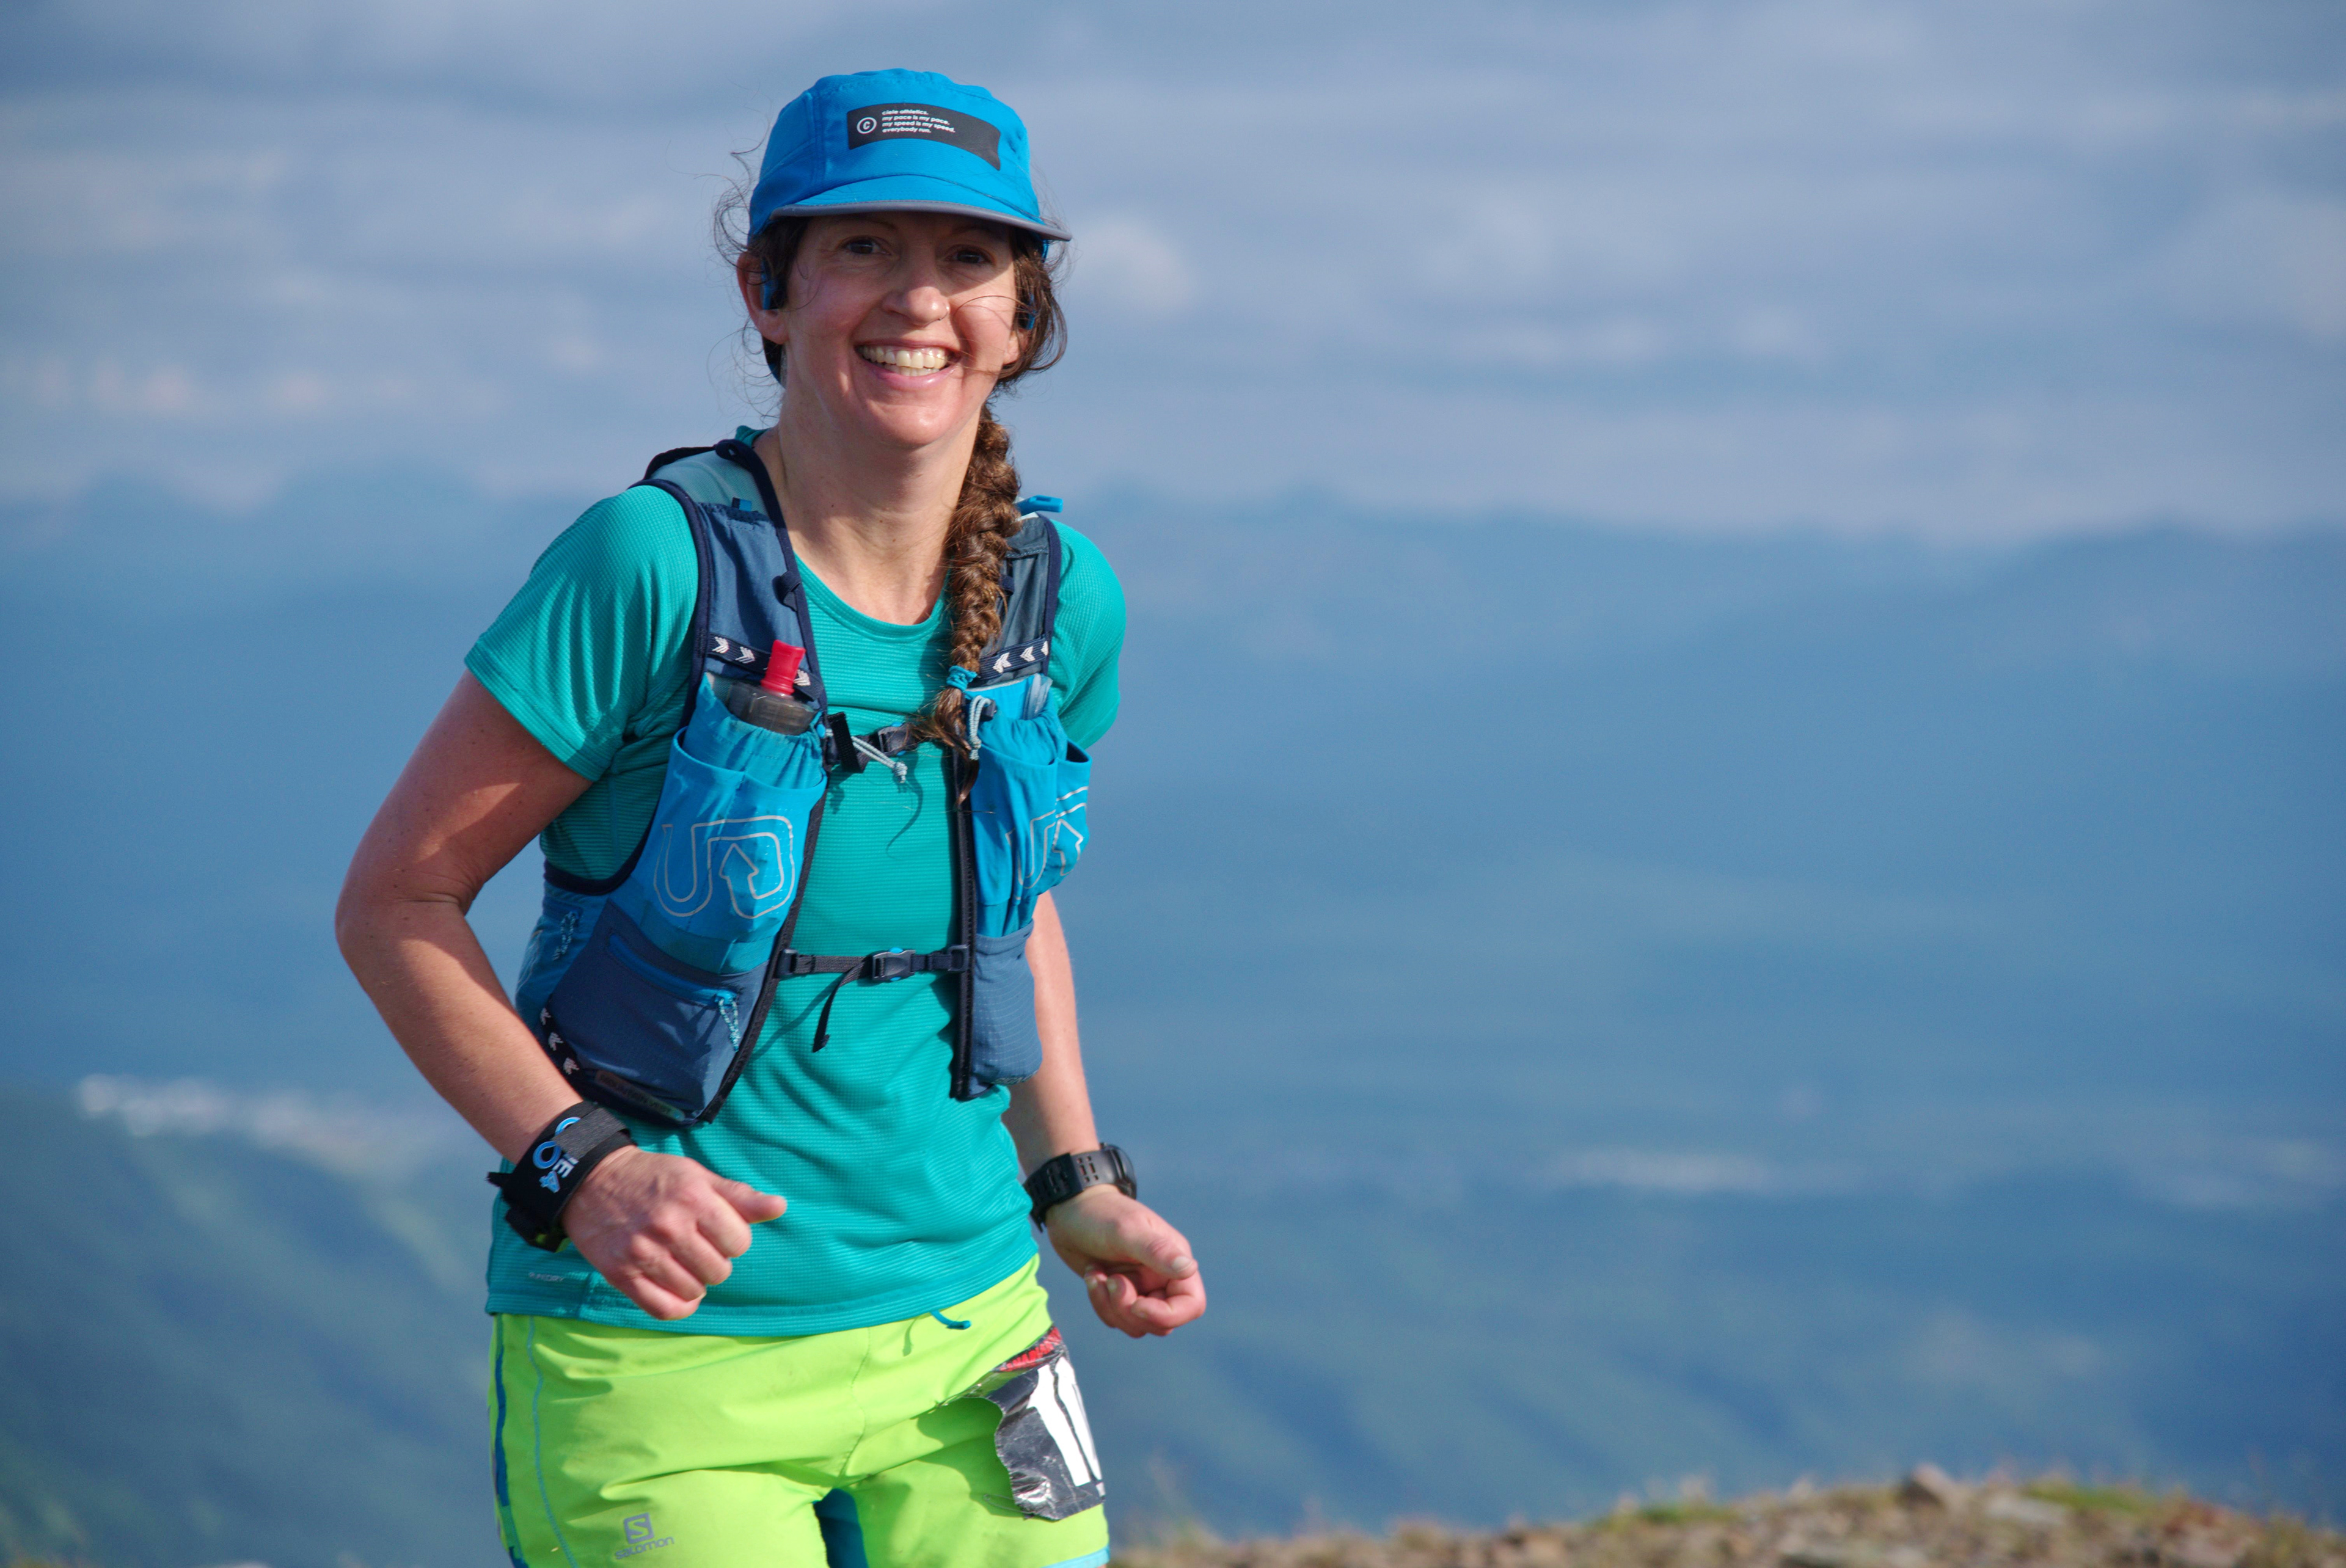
pixel 1928 1522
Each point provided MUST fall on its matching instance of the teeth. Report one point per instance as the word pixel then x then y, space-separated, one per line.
pixel 918 360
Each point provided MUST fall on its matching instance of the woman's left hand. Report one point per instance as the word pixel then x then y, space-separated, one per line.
pixel 1136 1267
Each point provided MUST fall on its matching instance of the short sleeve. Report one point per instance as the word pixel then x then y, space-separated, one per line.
pixel 591 645
pixel 1086 640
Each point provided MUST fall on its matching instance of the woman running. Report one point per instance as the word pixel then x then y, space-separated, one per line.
pixel 801 726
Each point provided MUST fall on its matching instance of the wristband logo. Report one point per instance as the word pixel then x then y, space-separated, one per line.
pixel 553 1159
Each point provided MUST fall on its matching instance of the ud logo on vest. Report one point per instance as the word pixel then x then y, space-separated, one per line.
pixel 638 1527
pixel 1056 839
pixel 755 859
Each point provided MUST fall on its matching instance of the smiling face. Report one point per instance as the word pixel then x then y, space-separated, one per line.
pixel 896 325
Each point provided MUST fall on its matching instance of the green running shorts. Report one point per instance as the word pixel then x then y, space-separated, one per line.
pixel 957 1445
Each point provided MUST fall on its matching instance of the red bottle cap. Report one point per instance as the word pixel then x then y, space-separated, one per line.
pixel 782 669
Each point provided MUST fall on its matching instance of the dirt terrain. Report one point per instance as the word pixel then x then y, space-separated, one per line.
pixel 1929 1521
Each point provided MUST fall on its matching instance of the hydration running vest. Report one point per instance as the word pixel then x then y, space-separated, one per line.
pixel 648 987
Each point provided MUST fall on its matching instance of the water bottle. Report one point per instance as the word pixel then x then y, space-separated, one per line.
pixel 768 704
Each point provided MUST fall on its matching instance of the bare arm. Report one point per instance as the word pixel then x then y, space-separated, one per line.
pixel 478 788
pixel 1051 1113
pixel 1138 1269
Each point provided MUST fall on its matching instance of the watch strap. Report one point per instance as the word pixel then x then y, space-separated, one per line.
pixel 1061 1176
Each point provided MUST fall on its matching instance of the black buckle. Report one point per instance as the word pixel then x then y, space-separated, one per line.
pixel 843 756
pixel 956 959
pixel 895 965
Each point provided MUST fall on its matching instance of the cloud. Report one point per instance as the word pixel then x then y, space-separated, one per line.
pixel 2270 258
pixel 1680 1175
pixel 1728 262
pixel 611 56
pixel 1127 263
pixel 343 1136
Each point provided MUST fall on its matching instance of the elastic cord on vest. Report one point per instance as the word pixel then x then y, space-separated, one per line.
pixel 974 710
pixel 548 1177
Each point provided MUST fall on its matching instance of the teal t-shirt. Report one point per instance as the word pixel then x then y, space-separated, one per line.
pixel 901 1198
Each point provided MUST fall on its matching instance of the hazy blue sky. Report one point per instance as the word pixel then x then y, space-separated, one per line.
pixel 1973 269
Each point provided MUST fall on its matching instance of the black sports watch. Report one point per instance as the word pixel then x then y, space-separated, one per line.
pixel 1061 1176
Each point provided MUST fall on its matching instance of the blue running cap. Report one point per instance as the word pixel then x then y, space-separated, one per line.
pixel 897 141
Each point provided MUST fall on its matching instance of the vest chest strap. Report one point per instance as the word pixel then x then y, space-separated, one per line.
pixel 896 963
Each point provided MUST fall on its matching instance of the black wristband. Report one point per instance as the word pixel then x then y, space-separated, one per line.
pixel 541 1186
pixel 1061 1176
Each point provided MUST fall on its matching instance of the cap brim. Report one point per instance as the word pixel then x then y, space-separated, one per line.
pixel 861 197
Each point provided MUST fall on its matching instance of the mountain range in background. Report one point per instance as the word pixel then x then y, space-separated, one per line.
pixel 1606 1006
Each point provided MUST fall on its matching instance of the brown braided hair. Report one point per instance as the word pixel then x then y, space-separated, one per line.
pixel 985 517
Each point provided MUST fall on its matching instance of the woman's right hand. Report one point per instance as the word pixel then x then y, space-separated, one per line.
pixel 478 789
pixel 663 1228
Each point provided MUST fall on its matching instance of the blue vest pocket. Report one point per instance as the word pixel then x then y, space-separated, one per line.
pixel 1004 1045
pixel 1026 804
pixel 564 924
pixel 722 859
pixel 651 1012
pixel 640 1031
